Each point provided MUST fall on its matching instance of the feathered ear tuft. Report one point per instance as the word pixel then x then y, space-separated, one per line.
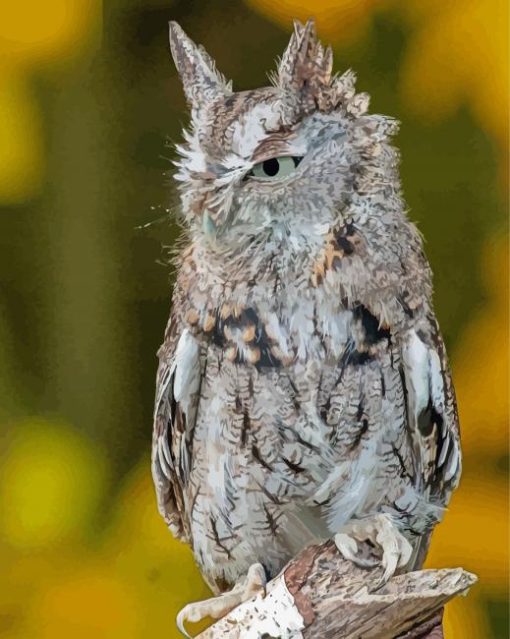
pixel 304 71
pixel 304 58
pixel 201 82
pixel 305 78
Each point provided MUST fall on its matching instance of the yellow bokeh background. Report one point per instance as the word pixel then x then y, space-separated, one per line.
pixel 82 548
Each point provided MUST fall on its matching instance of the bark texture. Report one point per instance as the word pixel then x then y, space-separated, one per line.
pixel 321 595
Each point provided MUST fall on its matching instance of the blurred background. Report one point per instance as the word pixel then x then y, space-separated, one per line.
pixel 89 108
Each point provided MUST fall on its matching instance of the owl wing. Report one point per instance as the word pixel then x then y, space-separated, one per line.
pixel 177 392
pixel 431 414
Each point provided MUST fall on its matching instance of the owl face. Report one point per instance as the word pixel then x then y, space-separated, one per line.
pixel 282 163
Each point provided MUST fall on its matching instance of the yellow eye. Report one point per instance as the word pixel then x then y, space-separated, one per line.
pixel 275 168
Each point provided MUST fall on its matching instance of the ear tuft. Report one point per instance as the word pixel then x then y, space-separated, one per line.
pixel 304 72
pixel 305 78
pixel 201 82
pixel 291 67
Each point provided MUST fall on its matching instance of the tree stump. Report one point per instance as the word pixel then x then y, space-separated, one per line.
pixel 321 595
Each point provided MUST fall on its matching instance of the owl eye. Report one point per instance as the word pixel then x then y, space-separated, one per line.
pixel 274 168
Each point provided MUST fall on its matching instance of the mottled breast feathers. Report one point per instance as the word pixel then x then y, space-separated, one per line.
pixel 430 412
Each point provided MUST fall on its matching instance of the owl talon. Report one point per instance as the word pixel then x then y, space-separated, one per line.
pixel 254 582
pixel 348 547
pixel 216 607
pixel 381 531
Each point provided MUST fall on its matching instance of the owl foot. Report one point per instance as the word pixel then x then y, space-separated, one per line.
pixel 216 607
pixel 382 532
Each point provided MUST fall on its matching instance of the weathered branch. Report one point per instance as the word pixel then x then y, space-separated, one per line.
pixel 321 595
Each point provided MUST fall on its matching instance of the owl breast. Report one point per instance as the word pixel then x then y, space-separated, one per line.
pixel 295 434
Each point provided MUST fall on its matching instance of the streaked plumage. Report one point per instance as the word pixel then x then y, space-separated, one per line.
pixel 303 380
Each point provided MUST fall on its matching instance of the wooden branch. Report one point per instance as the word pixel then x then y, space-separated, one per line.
pixel 321 595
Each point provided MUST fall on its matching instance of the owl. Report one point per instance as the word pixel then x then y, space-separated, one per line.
pixel 303 390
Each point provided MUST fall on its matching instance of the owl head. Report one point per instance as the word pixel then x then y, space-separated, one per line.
pixel 280 165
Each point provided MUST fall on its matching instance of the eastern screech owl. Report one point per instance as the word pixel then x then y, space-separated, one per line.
pixel 303 382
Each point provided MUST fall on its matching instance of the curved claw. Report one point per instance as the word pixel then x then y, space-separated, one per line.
pixel 254 583
pixel 381 531
pixel 182 616
pixel 397 550
pixel 348 547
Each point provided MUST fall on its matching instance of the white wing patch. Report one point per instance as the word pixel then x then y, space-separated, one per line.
pixel 416 359
pixel 437 389
pixel 186 369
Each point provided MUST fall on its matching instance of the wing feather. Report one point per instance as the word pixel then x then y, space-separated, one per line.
pixel 432 422
pixel 177 394
pixel 432 415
